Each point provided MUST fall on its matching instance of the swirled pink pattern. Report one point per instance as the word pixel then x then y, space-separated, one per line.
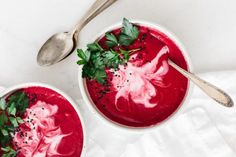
pixel 39 136
pixel 140 86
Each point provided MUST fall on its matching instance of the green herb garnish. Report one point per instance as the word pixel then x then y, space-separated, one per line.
pixel 8 152
pixel 84 56
pixel 126 54
pixel 95 59
pixel 20 101
pixel 95 67
pixel 10 113
pixel 129 33
pixel 111 40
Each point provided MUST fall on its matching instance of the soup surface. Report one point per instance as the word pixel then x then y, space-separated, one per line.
pixel 51 126
pixel 146 90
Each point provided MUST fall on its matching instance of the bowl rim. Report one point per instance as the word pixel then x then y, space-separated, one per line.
pixel 7 90
pixel 179 110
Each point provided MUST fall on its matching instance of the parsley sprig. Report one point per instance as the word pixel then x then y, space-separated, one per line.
pixel 112 41
pixel 95 59
pixel 10 118
pixel 8 152
pixel 129 33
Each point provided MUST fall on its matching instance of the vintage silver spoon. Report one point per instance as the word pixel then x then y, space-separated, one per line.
pixel 214 92
pixel 61 45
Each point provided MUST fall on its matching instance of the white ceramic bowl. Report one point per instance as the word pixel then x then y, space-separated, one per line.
pixel 74 105
pixel 92 106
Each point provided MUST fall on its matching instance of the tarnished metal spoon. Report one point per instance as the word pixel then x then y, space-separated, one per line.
pixel 214 92
pixel 61 45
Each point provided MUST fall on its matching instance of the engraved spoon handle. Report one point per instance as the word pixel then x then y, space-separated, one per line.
pixel 214 92
pixel 95 9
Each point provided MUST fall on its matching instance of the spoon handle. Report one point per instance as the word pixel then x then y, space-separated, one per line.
pixel 95 9
pixel 214 92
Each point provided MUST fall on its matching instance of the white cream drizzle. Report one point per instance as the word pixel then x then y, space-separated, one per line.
pixel 41 137
pixel 138 82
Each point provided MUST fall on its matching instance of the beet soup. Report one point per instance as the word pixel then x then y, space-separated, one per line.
pixel 146 90
pixel 51 126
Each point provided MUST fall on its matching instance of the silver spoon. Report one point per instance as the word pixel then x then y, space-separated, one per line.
pixel 61 45
pixel 214 92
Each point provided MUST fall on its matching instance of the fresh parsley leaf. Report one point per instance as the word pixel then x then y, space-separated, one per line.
pixel 125 54
pixel 111 40
pixel 109 57
pixel 20 100
pixel 84 56
pixel 10 128
pixel 7 149
pixel 13 121
pixel 100 76
pixel 129 33
pixel 125 40
pixel 129 29
pixel 3 118
pixel 4 132
pixel 2 104
pixel 81 62
pixel 12 109
pixel 98 63
pixel 112 59
pixel 94 47
pixel 5 140
pixel 88 71
pixel 19 120
pixel 8 152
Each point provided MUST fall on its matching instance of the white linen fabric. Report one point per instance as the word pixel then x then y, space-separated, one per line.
pixel 192 134
pixel 204 129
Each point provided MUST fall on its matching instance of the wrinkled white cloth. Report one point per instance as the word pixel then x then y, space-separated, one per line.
pixel 192 134
pixel 202 129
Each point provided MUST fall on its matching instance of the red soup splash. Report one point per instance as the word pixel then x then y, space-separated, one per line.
pixel 147 90
pixel 52 126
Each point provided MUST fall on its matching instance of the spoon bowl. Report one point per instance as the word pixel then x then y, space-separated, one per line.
pixel 55 49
